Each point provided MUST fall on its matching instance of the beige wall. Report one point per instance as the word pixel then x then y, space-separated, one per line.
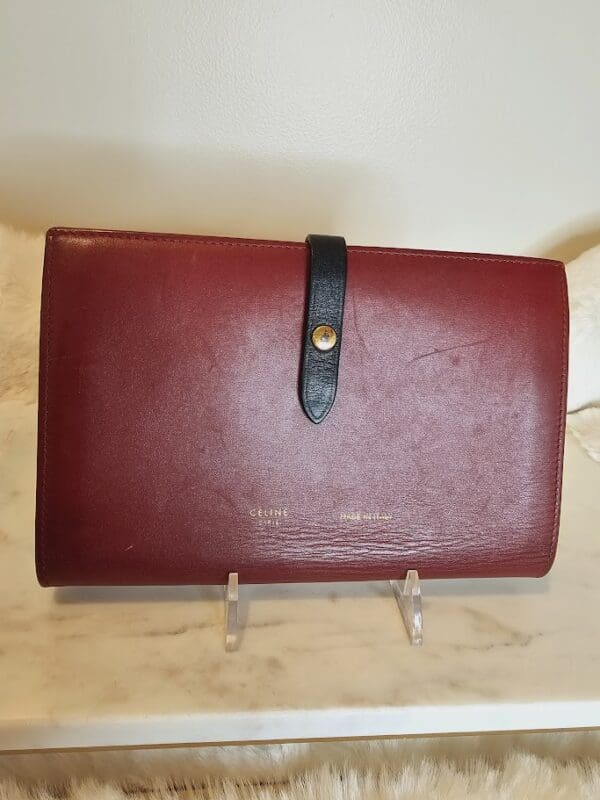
pixel 472 124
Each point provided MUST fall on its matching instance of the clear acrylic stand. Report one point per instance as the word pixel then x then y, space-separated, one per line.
pixel 407 594
pixel 231 613
pixel 408 597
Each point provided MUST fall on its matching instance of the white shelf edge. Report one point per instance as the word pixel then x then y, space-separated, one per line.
pixel 275 726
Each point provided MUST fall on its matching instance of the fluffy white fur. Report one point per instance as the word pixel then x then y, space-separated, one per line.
pixel 583 275
pixel 490 767
pixel 20 273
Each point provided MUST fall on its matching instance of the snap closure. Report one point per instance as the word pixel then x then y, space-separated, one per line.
pixel 324 338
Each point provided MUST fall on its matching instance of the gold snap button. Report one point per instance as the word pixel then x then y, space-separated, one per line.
pixel 324 337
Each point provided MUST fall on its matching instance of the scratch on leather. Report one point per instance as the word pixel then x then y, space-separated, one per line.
pixel 357 326
pixel 437 350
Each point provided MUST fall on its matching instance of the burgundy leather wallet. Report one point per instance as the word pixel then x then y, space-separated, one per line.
pixel 295 411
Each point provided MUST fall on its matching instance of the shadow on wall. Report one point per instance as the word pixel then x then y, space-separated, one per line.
pixel 75 183
pixel 566 248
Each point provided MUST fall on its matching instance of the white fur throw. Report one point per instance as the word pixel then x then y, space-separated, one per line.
pixel 562 766
pixel 583 276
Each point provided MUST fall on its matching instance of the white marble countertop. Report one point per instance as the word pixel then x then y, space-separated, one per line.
pixel 91 668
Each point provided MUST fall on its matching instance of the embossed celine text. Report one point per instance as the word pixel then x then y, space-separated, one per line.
pixel 365 516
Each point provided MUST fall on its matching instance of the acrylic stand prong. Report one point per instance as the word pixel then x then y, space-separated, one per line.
pixel 408 597
pixel 231 613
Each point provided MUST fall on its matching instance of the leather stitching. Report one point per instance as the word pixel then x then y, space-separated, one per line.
pixel 182 239
pixel 311 298
pixel 332 370
pixel 48 343
pixel 560 433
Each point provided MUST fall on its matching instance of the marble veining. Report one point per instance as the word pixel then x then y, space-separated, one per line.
pixel 94 667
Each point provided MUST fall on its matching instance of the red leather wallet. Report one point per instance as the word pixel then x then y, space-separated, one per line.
pixel 201 412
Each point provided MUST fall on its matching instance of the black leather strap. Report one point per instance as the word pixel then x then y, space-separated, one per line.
pixel 325 310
